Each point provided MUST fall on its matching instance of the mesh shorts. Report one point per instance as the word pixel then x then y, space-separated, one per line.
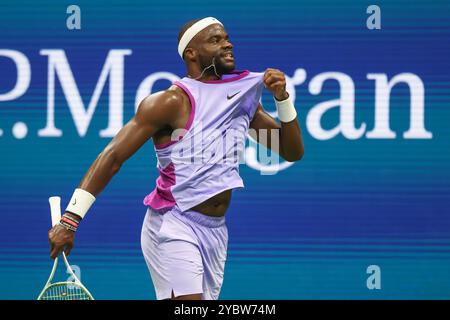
pixel 185 252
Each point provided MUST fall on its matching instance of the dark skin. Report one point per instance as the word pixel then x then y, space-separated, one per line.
pixel 162 112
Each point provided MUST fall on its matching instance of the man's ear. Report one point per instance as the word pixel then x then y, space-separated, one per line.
pixel 190 54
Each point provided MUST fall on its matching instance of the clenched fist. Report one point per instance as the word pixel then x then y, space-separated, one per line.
pixel 60 239
pixel 275 82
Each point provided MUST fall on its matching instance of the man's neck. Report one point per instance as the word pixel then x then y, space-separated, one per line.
pixel 204 77
pixel 210 73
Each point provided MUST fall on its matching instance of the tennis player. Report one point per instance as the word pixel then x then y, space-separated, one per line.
pixel 184 236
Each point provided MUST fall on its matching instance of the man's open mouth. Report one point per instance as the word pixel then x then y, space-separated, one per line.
pixel 228 56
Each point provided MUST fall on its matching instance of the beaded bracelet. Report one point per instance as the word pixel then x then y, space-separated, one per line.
pixel 69 223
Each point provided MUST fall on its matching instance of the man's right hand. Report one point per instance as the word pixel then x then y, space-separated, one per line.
pixel 60 239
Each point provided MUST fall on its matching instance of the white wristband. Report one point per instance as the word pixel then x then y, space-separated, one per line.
pixel 80 203
pixel 286 110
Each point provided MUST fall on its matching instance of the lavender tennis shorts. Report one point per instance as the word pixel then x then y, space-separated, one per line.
pixel 185 252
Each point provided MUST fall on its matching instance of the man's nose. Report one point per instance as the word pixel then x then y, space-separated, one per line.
pixel 228 44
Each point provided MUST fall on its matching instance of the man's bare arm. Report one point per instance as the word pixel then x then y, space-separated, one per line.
pixel 290 136
pixel 154 113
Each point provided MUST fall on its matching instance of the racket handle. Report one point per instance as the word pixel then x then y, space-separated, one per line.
pixel 55 209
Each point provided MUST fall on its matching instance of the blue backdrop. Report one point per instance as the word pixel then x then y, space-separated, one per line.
pixel 372 189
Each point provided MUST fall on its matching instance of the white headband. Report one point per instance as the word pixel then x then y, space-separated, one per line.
pixel 193 30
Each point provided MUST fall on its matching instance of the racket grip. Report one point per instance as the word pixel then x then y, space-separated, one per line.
pixel 55 209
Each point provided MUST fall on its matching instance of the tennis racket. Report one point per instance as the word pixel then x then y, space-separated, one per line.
pixel 66 290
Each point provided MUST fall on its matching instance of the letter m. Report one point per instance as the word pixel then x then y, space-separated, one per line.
pixel 113 69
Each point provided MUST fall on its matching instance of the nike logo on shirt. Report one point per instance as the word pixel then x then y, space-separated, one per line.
pixel 230 97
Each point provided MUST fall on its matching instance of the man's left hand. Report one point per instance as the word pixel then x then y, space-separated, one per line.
pixel 275 82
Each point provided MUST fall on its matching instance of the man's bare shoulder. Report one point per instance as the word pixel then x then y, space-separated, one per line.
pixel 165 99
pixel 162 105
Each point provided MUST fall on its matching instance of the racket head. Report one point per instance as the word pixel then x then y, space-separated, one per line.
pixel 65 291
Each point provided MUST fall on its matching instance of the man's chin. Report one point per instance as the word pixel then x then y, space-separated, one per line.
pixel 227 68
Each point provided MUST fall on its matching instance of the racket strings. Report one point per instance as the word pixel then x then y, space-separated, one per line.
pixel 65 291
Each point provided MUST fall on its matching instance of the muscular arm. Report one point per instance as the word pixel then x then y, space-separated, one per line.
pixel 290 135
pixel 154 113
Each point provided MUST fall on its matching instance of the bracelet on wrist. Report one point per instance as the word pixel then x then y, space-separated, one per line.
pixel 69 222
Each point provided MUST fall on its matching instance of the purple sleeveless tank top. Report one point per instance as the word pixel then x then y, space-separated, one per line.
pixel 202 159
